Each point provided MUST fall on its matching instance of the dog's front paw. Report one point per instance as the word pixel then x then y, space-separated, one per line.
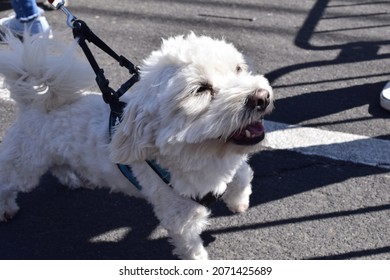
pixel 238 208
pixel 237 200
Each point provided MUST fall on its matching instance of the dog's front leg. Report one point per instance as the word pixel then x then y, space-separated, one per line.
pixel 239 189
pixel 184 220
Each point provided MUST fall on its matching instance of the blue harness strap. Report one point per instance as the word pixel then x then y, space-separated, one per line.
pixel 115 119
pixel 161 172
pixel 128 173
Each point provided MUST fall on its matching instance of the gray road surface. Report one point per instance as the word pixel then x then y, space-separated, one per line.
pixel 327 60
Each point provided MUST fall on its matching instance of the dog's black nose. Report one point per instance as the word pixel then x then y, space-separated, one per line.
pixel 258 100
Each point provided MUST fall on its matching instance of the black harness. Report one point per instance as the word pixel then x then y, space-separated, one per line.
pixel 82 33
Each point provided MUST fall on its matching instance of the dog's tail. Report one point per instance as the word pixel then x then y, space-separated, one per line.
pixel 43 72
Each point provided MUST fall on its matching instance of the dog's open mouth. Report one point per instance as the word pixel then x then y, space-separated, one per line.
pixel 249 135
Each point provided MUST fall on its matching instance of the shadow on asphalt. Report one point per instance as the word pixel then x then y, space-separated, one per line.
pixel 355 254
pixel 358 51
pixel 325 103
pixel 57 223
pixel 63 226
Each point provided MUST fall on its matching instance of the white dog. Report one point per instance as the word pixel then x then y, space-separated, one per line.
pixel 197 112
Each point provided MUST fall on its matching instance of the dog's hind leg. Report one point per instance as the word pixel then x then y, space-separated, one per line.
pixel 239 190
pixel 20 171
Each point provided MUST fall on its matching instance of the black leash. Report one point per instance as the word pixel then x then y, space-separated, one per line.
pixel 83 33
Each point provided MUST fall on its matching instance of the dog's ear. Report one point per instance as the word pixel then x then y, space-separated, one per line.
pixel 133 138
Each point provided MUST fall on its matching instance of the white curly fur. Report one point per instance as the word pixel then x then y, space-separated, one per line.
pixel 191 101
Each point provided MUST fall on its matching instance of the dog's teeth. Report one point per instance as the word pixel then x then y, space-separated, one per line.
pixel 247 133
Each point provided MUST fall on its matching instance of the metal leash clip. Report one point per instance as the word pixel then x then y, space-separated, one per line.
pixel 60 4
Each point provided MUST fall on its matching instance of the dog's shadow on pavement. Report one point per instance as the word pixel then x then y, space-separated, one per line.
pixel 57 223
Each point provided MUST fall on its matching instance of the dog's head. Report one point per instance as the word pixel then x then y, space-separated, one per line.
pixel 193 91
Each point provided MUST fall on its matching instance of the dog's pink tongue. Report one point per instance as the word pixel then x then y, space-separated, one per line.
pixel 256 129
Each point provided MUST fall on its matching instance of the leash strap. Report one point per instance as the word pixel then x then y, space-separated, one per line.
pixel 83 33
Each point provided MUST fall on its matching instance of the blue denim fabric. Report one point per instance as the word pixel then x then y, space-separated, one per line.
pixel 25 10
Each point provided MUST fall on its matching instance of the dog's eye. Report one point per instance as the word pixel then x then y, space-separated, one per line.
pixel 204 88
pixel 242 67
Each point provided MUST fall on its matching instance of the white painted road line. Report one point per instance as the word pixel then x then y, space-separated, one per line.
pixel 331 144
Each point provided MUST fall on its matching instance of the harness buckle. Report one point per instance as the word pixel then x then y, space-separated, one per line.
pixel 109 95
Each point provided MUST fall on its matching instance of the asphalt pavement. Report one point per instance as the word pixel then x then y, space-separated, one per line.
pixel 327 61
